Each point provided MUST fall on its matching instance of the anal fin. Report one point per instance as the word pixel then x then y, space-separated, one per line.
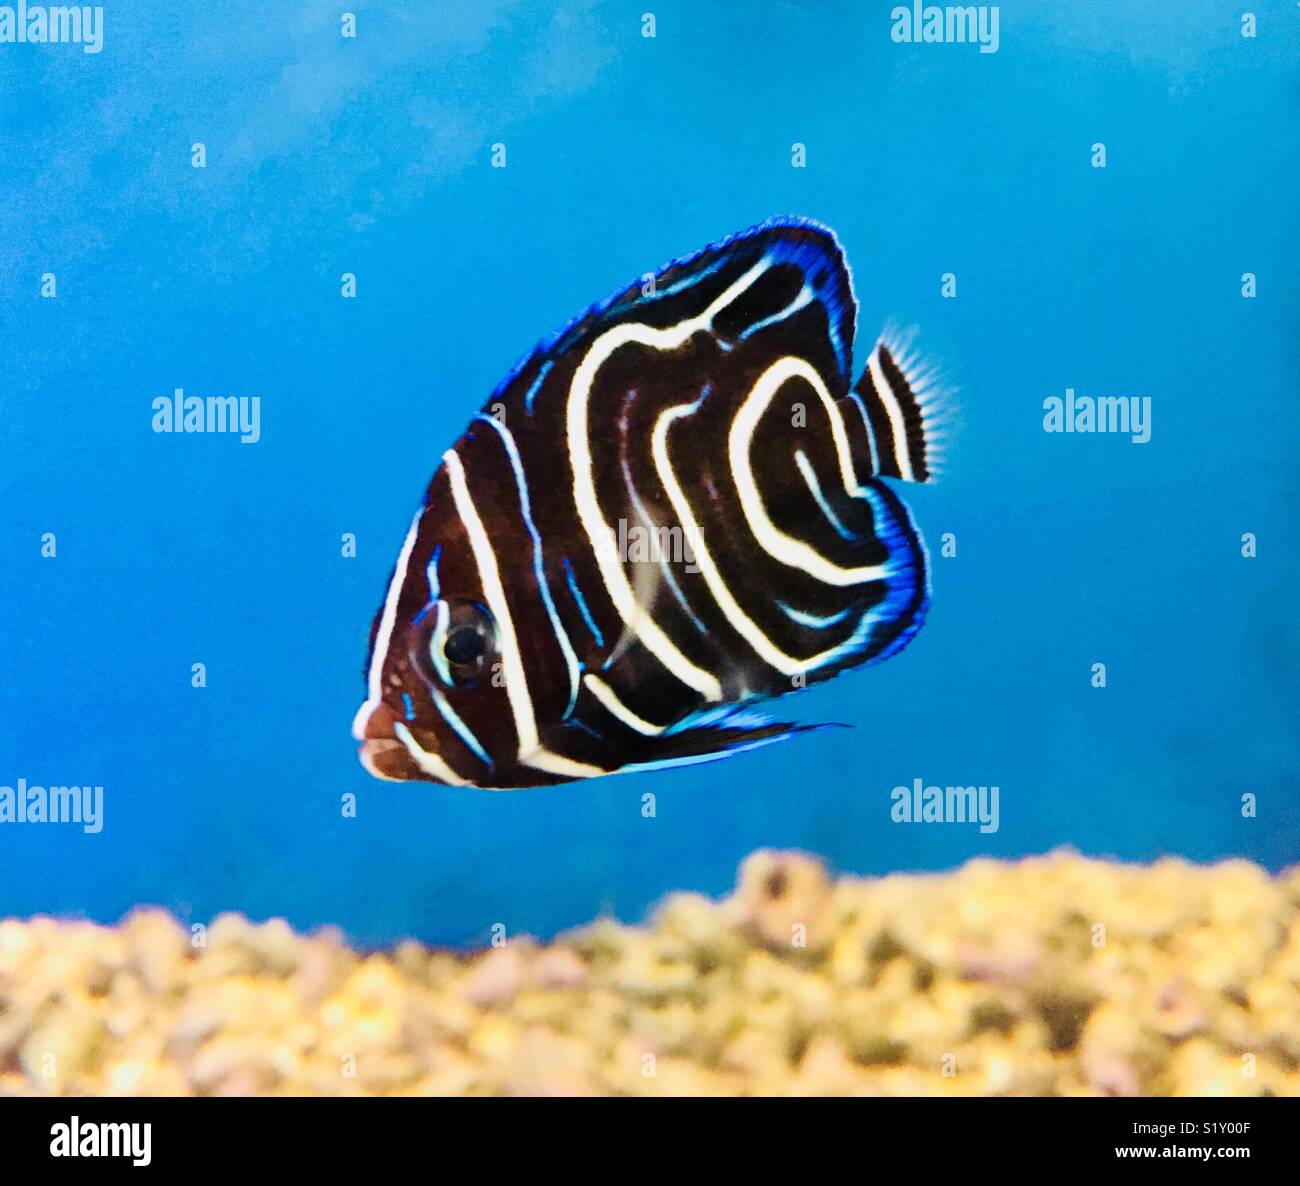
pixel 715 734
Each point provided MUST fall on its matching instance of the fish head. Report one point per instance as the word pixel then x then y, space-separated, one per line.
pixel 437 708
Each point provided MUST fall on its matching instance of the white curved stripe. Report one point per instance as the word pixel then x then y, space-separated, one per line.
pixel 897 424
pixel 544 759
pixel 521 705
pixel 431 573
pixel 744 625
pixel 442 618
pixel 539 560
pixel 530 752
pixel 815 489
pixel 463 731
pixel 805 295
pixel 871 435
pixel 606 695
pixel 776 543
pixel 664 566
pixel 812 621
pixel 531 394
pixel 688 282
pixel 429 763
pixel 584 487
pixel 387 621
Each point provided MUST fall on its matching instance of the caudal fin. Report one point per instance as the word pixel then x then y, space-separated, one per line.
pixel 897 397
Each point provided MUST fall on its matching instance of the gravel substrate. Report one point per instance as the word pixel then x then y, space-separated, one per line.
pixel 1051 976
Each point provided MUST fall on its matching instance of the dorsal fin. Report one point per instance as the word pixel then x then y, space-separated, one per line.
pixel 800 251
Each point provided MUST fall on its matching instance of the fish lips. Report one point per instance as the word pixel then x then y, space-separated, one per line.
pixel 387 758
pixel 383 754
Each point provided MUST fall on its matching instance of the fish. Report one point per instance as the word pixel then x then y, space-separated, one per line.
pixel 671 512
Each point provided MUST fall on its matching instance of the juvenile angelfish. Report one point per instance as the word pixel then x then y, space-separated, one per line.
pixel 670 511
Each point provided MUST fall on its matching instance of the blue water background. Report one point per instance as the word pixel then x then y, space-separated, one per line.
pixel 372 156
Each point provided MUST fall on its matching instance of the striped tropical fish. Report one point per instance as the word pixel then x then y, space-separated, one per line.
pixel 670 511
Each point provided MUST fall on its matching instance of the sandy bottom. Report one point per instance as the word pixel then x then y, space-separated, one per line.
pixel 1051 976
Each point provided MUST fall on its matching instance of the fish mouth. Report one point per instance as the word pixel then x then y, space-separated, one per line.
pixel 396 752
pixel 381 753
pixel 386 758
pixel 374 722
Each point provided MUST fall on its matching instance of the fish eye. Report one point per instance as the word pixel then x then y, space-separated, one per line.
pixel 453 643
pixel 466 643
pixel 465 647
